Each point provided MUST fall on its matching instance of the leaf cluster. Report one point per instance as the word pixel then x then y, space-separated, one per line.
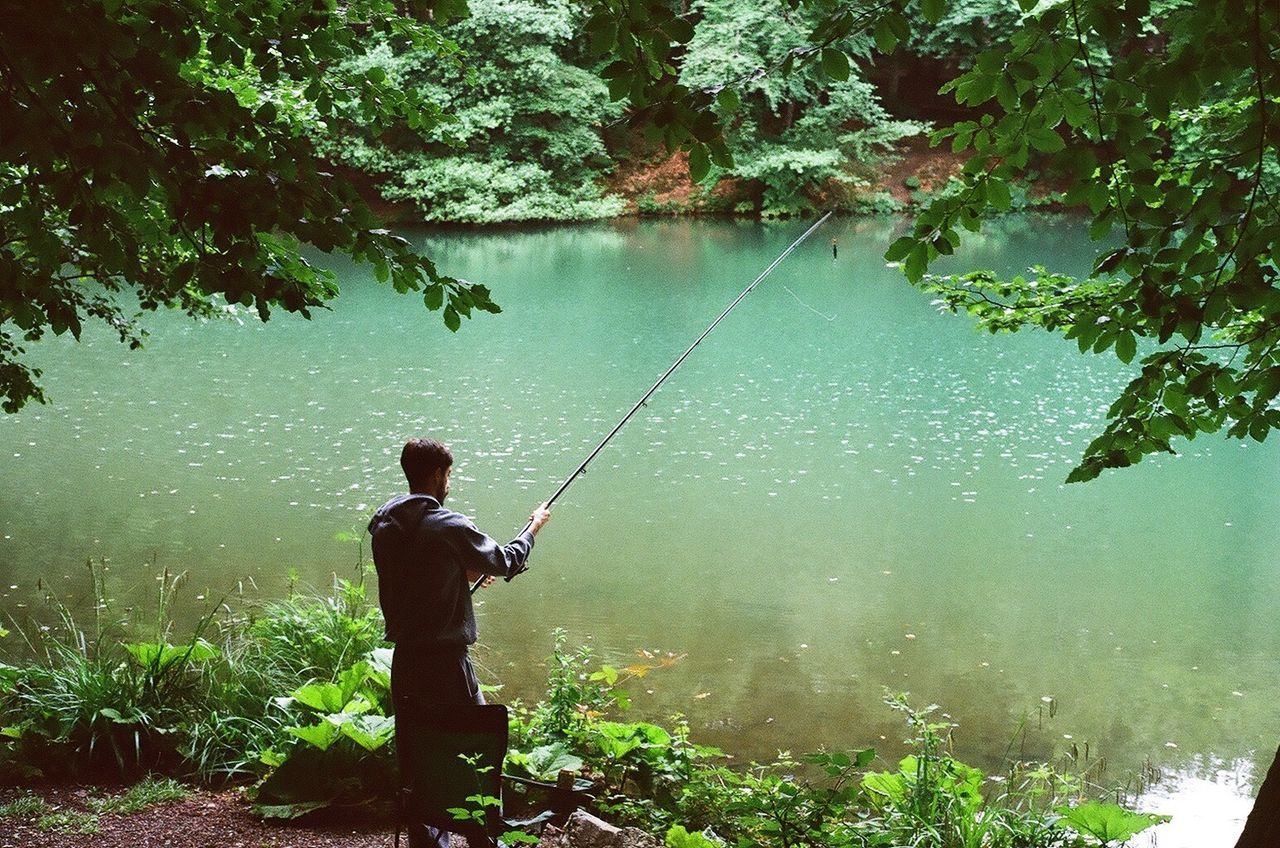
pixel 153 156
pixel 798 129
pixel 1170 143
pixel 519 133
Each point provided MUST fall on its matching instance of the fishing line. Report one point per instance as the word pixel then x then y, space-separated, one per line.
pixel 582 469
pixel 807 306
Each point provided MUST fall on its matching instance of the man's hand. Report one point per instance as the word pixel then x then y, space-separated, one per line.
pixel 485 579
pixel 540 516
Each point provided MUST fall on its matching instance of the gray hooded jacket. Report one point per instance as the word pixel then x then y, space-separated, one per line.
pixel 422 553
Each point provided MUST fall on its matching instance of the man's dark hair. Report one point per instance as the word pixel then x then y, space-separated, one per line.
pixel 421 458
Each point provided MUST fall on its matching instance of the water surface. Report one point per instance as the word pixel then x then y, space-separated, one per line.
pixel 842 490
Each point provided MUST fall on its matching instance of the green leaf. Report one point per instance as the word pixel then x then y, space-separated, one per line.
pixel 720 154
pixel 1126 346
pixel 899 249
pixel 289 811
pixel 370 732
pixel 933 10
pixel 547 761
pixel 699 163
pixel 603 38
pixel 320 735
pixel 1045 140
pixel 886 784
pixel 434 296
pixel 1107 822
pixel 325 697
pixel 158 656
pixel 835 64
pixel 886 39
pixel 679 837
pixel 451 319
pixel 998 194
pixel 917 263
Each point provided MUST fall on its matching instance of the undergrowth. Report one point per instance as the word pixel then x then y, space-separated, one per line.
pixel 293 698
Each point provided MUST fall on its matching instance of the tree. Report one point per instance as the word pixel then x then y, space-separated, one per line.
pixel 523 136
pixel 161 152
pixel 1163 119
pixel 797 135
pixel 153 152
pixel 1170 142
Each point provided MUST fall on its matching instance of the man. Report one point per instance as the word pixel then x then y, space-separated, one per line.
pixel 427 557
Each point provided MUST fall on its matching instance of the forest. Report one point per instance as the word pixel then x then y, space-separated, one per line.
pixel 532 133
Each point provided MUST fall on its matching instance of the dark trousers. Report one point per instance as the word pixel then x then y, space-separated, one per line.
pixel 429 678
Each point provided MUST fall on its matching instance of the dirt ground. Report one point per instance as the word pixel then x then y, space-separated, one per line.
pixel 207 819
pixel 663 179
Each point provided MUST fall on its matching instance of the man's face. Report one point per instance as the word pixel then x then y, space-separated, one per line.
pixel 442 482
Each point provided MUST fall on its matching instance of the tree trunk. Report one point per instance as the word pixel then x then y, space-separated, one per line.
pixel 1262 830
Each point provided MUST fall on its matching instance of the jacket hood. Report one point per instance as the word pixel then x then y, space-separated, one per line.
pixel 402 510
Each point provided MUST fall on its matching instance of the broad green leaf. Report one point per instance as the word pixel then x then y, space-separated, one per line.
pixel 1126 346
pixel 320 735
pixel 679 837
pixel 325 697
pixel 887 784
pixel 161 655
pixel 370 732
pixel 886 39
pixel 699 163
pixel 899 249
pixel 547 761
pixel 351 680
pixel 1045 140
pixel 1107 822
pixel 998 194
pixel 434 296
pixel 835 64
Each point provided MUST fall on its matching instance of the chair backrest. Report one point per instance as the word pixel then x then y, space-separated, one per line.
pixel 447 754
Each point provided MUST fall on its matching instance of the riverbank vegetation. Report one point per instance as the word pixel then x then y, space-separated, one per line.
pixel 291 700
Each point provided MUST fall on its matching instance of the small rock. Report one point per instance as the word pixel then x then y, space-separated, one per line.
pixel 584 830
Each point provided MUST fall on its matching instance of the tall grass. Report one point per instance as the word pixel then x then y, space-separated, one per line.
pixel 112 699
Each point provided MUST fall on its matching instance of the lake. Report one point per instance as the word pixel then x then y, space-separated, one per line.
pixel 841 491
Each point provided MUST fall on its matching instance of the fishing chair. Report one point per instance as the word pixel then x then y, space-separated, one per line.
pixel 450 755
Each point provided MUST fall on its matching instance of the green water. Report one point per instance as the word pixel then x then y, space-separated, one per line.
pixel 841 490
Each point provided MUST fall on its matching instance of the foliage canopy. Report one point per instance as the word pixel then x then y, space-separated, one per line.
pixel 1170 142
pixel 156 149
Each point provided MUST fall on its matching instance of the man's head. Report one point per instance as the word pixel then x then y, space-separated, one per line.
pixel 427 464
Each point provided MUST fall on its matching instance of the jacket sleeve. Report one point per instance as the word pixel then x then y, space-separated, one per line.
pixel 478 552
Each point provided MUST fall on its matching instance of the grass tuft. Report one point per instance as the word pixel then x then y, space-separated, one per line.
pixel 69 821
pixel 24 807
pixel 145 793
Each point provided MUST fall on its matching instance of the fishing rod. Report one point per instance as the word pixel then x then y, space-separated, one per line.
pixel 582 469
